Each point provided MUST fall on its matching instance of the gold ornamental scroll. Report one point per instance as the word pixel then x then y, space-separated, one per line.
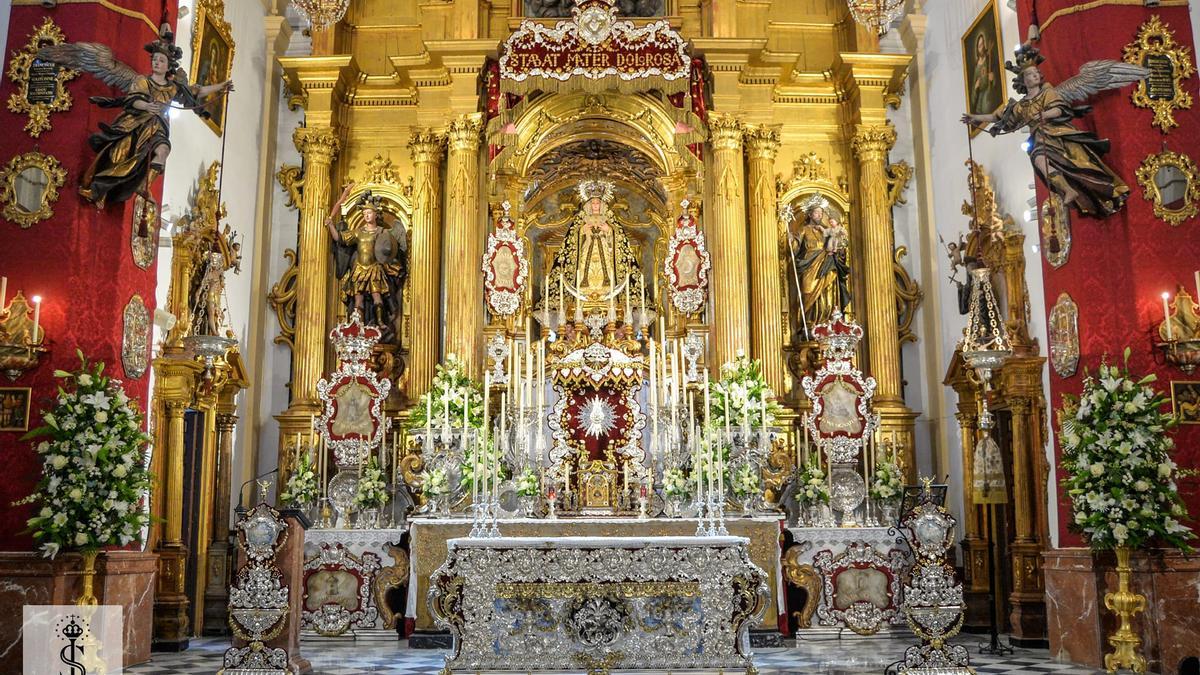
pixel 766 328
pixel 464 250
pixel 427 148
pixel 727 228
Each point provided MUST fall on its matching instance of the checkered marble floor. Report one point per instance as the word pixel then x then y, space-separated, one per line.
pixel 821 654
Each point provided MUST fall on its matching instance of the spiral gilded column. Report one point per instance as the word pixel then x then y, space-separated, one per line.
pixel 730 321
pixel 464 242
pixel 427 148
pixel 319 147
pixel 766 326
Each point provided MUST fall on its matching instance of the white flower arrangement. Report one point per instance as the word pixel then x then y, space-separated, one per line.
pixel 811 486
pixel 489 456
pixel 372 489
pixel 435 482
pixel 740 394
pixel 1120 478
pixel 451 387
pixel 887 481
pixel 745 481
pixel 675 483
pixel 528 484
pixel 94 478
pixel 301 487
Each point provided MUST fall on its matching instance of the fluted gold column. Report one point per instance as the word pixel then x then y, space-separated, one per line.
pixel 319 146
pixel 730 319
pixel 766 327
pixel 464 242
pixel 174 461
pixel 427 148
pixel 871 144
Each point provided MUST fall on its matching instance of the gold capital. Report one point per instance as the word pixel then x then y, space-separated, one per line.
pixel 426 146
pixel 762 142
pixel 464 132
pixel 725 132
pixel 320 144
pixel 872 142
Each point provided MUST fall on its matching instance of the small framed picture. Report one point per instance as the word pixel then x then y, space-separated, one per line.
pixel 1185 401
pixel 983 64
pixel 14 408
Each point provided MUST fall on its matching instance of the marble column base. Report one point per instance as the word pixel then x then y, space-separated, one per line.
pixel 1078 624
pixel 124 578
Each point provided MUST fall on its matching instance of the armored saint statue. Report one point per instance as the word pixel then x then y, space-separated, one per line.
pixel 372 258
pixel 821 270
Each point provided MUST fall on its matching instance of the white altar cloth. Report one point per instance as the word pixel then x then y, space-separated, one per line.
pixel 566 604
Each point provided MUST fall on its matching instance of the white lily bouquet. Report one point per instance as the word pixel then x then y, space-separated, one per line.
pixel 742 396
pixel 435 482
pixel 528 484
pixel 94 478
pixel 489 457
pixel 675 483
pixel 443 403
pixel 745 481
pixel 811 486
pixel 1120 478
pixel 887 482
pixel 372 489
pixel 301 487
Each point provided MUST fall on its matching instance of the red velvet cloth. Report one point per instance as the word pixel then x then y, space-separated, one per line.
pixel 576 426
pixel 79 260
pixel 1120 266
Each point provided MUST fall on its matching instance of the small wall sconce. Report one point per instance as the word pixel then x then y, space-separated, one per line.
pixel 1179 333
pixel 21 334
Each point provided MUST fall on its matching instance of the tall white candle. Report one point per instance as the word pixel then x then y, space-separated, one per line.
pixel 37 319
pixel 708 426
pixel 561 284
pixel 804 433
pixel 3 292
pixel 1196 273
pixel 1167 318
pixel 628 307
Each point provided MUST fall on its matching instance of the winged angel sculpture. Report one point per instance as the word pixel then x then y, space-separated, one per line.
pixel 1066 159
pixel 132 150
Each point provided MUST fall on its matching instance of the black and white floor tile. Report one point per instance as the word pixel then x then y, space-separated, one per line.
pixel 809 656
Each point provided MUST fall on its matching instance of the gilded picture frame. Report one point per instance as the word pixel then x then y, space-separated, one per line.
pixel 983 64
pixel 1064 336
pixel 41 85
pixel 29 187
pixel 1185 401
pixel 14 408
pixel 1170 63
pixel 1169 183
pixel 212 54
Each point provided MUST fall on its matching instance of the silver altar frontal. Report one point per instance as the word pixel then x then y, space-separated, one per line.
pixel 565 604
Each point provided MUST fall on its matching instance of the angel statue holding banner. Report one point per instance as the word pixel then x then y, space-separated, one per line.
pixel 1066 159
pixel 372 259
pixel 131 152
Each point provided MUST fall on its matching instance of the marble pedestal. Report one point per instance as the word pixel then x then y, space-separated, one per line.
pixel 1078 623
pixel 124 578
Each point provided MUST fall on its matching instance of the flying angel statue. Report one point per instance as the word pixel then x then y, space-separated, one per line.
pixel 132 150
pixel 1066 159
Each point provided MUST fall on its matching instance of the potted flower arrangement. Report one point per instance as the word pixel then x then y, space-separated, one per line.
pixel 301 490
pixel 1121 481
pixel 94 478
pixel 371 495
pixel 812 492
pixel 741 399
pixel 435 483
pixel 528 487
pixel 746 486
pixel 675 489
pixel 450 390
pixel 487 458
pixel 887 483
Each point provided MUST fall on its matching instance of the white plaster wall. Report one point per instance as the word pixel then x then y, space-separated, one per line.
pixel 1004 160
pixel 194 146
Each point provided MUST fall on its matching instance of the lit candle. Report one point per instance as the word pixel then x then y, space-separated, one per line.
pixel 3 292
pixel 1166 315
pixel 708 423
pixel 561 284
pixel 628 307
pixel 804 433
pixel 37 319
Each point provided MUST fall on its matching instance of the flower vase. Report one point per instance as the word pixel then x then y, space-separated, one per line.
pixel 434 506
pixel 673 508
pixel 748 506
pixel 527 505
pixel 88 598
pixel 368 518
pixel 891 511
pixel 1126 604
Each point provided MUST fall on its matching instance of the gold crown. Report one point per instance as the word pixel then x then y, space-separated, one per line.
pixel 596 187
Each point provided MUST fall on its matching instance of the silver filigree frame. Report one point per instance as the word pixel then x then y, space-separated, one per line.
pixel 687 300
pixel 862 620
pixel 333 619
pixel 504 303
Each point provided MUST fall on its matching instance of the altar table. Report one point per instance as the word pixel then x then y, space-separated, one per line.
pixel 565 604
pixel 429 537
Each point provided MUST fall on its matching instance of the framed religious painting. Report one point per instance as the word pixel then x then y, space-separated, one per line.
pixel 212 55
pixel 14 408
pixel 1185 401
pixel 983 64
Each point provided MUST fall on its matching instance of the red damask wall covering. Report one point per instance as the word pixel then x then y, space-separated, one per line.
pixel 1120 266
pixel 79 260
